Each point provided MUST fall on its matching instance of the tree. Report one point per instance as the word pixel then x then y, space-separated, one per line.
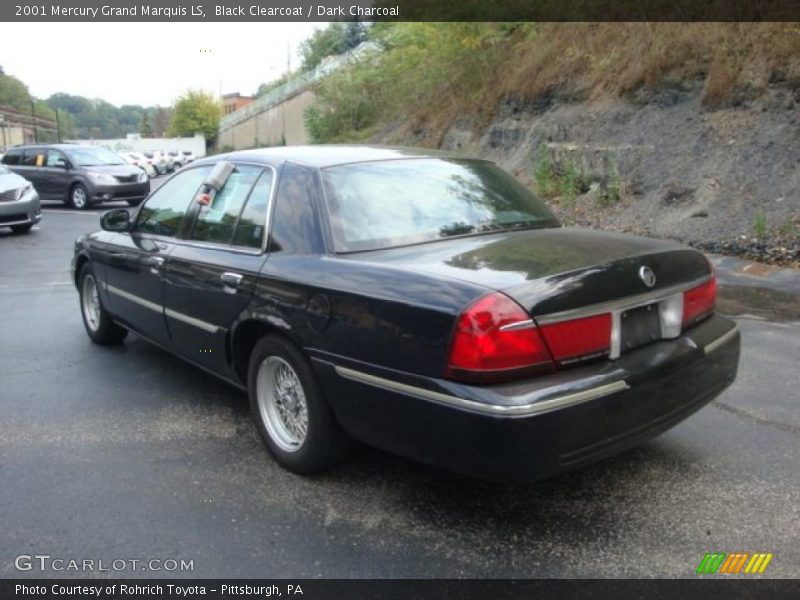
pixel 196 111
pixel 161 121
pixel 14 93
pixel 145 129
pixel 336 38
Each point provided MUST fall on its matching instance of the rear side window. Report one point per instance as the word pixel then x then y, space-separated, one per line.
pixel 295 225
pixel 33 158
pixel 12 157
pixel 217 221
pixel 253 221
pixel 163 212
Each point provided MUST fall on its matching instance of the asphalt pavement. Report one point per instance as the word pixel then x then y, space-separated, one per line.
pixel 128 453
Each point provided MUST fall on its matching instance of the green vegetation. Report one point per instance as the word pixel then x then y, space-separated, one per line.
pixel 760 225
pixel 613 189
pixel 196 111
pixel 430 74
pixel 336 38
pixel 544 176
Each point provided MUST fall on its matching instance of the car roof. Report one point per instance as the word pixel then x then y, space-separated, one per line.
pixel 56 146
pixel 323 155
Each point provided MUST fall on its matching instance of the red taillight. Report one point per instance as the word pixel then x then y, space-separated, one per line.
pixel 485 349
pixel 578 339
pixel 699 302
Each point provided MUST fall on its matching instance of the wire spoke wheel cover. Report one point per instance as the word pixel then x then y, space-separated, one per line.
pixel 282 403
pixel 90 302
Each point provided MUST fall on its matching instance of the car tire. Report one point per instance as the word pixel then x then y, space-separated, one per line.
pixel 98 323
pixel 295 423
pixel 79 197
pixel 134 202
pixel 25 228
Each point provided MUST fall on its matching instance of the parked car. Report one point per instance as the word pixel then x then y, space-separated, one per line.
pixel 188 156
pixel 77 174
pixel 159 164
pixel 177 159
pixel 19 202
pixel 168 160
pixel 425 303
pixel 141 161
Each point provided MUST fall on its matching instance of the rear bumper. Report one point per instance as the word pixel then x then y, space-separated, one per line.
pixel 21 212
pixel 537 428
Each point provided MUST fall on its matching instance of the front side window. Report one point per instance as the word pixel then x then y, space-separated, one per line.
pixel 216 222
pixel 383 204
pixel 163 212
pixel 56 159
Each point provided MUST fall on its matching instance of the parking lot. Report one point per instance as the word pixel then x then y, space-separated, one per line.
pixel 126 452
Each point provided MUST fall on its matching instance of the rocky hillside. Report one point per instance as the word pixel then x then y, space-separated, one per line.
pixel 686 131
pixel 727 179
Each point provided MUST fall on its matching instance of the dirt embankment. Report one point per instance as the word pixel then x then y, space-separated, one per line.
pixel 658 163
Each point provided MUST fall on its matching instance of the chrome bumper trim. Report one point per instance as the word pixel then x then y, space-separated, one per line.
pixel 524 410
pixel 721 340
pixel 620 304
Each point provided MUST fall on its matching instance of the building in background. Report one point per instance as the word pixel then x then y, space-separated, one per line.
pixel 234 101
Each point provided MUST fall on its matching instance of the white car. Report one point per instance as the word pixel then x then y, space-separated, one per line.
pixel 159 162
pixel 141 161
pixel 178 160
pixel 168 160
pixel 188 156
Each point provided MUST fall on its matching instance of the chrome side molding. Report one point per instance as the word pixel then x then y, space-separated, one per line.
pixel 523 410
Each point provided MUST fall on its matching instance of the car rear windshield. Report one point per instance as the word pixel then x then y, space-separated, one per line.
pixel 382 204
pixel 92 157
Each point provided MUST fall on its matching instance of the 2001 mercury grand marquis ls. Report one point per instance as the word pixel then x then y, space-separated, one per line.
pixel 420 302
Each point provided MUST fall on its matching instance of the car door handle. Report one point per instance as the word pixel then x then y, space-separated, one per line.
pixel 231 281
pixel 155 262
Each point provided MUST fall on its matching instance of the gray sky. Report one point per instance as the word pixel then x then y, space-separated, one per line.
pixel 148 63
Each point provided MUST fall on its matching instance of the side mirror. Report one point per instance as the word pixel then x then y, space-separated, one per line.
pixel 116 220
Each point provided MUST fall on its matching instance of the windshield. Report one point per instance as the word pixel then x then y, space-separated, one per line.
pixel 393 203
pixel 92 157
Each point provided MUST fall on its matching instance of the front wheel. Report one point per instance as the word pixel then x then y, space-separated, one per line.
pixel 98 323
pixel 79 197
pixel 293 418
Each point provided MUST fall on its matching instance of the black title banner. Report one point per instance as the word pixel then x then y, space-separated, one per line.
pixel 400 10
pixel 397 589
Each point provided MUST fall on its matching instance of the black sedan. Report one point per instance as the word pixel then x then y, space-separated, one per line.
pixel 424 303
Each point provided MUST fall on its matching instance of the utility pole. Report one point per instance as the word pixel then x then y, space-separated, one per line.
pixel 58 127
pixel 33 114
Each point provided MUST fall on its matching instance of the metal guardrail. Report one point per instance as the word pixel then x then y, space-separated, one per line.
pixel 293 87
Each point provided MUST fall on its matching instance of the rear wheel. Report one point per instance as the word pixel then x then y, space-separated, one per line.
pixel 22 228
pixel 79 197
pixel 293 418
pixel 98 323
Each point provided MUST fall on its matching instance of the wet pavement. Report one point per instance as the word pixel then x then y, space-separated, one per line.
pixel 127 452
